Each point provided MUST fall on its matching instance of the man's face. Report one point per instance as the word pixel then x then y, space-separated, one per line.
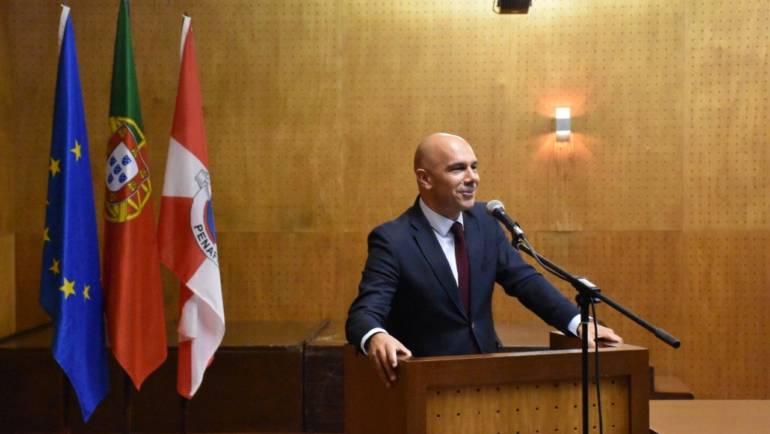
pixel 450 178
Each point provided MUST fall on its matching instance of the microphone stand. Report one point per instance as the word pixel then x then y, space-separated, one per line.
pixel 587 293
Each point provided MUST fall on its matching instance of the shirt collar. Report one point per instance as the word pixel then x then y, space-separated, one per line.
pixel 438 222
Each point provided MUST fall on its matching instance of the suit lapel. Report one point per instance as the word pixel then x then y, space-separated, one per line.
pixel 431 250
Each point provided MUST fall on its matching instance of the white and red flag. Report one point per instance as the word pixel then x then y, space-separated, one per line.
pixel 186 234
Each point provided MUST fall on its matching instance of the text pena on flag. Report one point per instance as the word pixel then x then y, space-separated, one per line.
pixel 202 217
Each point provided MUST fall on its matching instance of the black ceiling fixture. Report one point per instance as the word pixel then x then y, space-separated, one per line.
pixel 511 6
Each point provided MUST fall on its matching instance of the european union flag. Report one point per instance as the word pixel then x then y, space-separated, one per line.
pixel 70 289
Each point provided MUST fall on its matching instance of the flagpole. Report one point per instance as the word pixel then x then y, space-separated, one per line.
pixel 65 405
pixel 183 418
pixel 127 403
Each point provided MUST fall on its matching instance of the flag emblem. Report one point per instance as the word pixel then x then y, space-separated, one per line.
pixel 121 166
pixel 202 217
pixel 127 177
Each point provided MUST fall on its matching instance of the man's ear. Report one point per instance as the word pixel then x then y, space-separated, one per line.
pixel 423 179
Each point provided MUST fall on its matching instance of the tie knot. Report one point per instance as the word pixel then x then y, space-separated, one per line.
pixel 457 229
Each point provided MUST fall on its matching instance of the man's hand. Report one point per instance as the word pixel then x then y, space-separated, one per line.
pixel 383 350
pixel 606 336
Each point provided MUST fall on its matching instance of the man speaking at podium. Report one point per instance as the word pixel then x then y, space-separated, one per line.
pixel 426 288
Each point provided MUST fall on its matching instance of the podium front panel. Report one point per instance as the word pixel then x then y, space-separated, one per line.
pixel 544 407
pixel 538 391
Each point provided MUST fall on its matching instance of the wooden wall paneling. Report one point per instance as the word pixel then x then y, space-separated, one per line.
pixel 410 70
pixel 6 126
pixel 725 189
pixel 726 297
pixel 8 286
pixel 727 159
pixel 686 283
pixel 271 84
pixel 28 252
pixel 290 276
pixel 7 258
pixel 34 50
pixel 626 103
pixel 637 277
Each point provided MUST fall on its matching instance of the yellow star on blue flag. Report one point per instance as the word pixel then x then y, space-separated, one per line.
pixel 76 150
pixel 70 245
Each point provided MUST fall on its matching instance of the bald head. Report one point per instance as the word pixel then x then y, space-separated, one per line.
pixel 445 168
pixel 432 147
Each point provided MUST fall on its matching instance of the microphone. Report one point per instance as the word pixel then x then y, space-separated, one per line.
pixel 496 209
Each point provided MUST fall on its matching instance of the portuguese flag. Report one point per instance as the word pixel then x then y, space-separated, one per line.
pixel 131 278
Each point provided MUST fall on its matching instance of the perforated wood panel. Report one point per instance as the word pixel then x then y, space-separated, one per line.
pixel 410 68
pixel 723 301
pixel 640 269
pixel 526 408
pixel 6 124
pixel 7 268
pixel 276 70
pixel 8 289
pixel 618 65
pixel 727 164
pixel 707 288
pixel 313 112
pixel 298 276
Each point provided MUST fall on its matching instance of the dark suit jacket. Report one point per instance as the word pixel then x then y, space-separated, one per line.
pixel 408 289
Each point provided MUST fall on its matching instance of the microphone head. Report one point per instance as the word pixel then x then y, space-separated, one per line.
pixel 494 206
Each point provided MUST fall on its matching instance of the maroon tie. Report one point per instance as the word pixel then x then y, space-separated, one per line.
pixel 461 257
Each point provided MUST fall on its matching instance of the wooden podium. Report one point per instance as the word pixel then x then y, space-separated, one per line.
pixel 526 392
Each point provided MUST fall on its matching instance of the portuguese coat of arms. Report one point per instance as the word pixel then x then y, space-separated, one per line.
pixel 127 177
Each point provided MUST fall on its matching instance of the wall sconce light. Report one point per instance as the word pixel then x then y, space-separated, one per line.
pixel 563 124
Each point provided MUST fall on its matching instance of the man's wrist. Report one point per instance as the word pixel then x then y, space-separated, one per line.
pixel 368 336
pixel 574 325
pixel 579 326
